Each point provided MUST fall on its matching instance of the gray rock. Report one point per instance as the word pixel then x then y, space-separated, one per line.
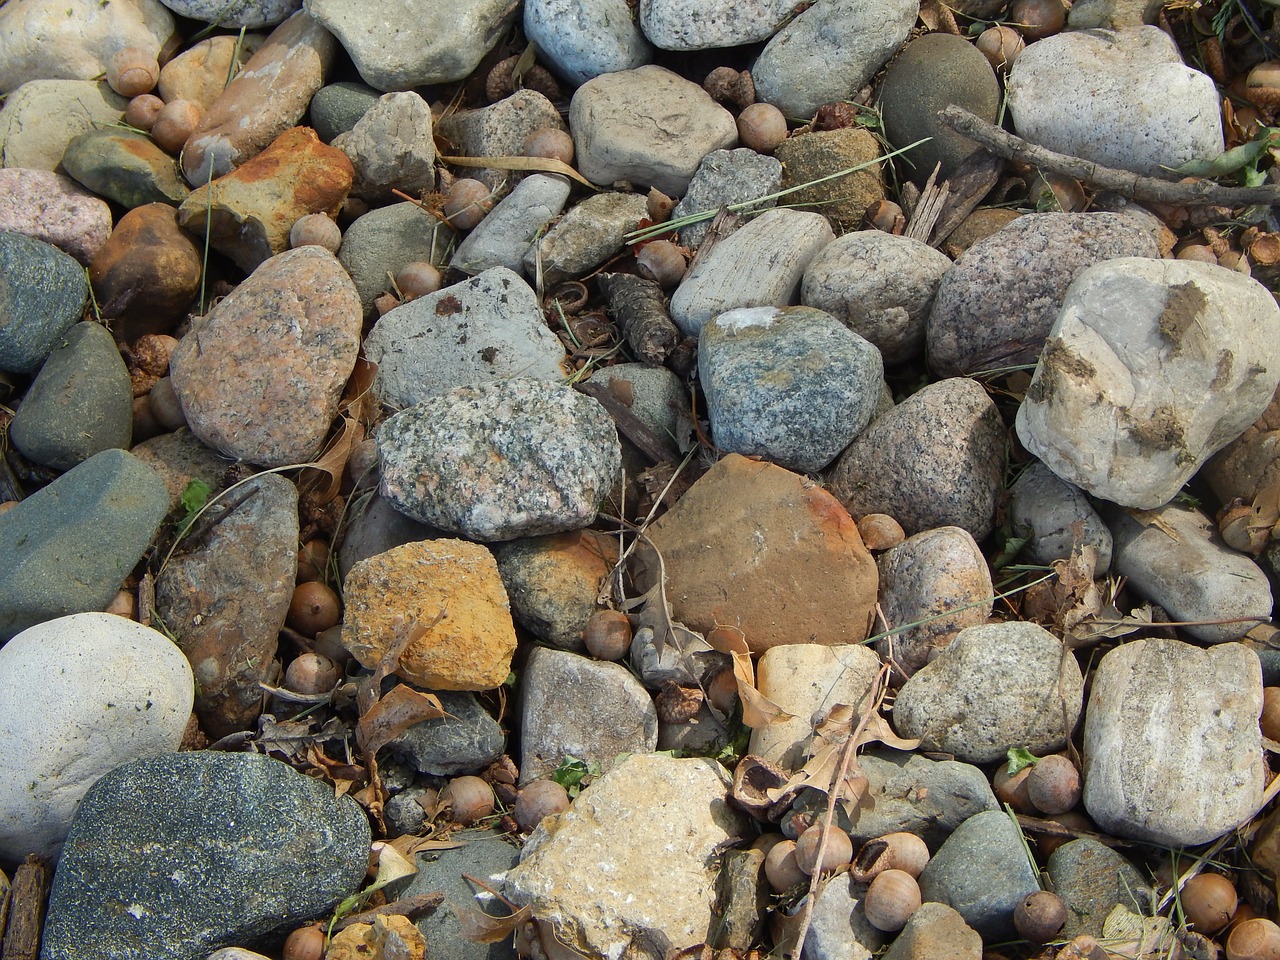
pixel 125 167
pixel 486 329
pixel 982 871
pixel 1142 110
pixel 687 660
pixel 375 526
pixel 995 307
pixel 936 932
pixel 551 454
pixel 383 241
pixel 936 459
pixel 1045 510
pixel 81 402
pixel 792 385
pixel 1092 879
pixel 179 458
pixel 465 741
pixel 135 868
pixel 1112 14
pixel 403 813
pixel 69 546
pixel 499 130
pixel 879 286
pixel 932 72
pixel 43 293
pixel 704 24
pixel 703 735
pixel 235 13
pixel 1151 367
pixel 1197 711
pixel 938 576
pixel 646 125
pixel 1175 557
pixel 829 51
pixel 742 900
pixel 609 713
pixel 48 206
pixel 997 686
pixel 391 148
pixel 337 107
pixel 41 117
pixel 425 46
pixel 585 237
pixel 723 178
pixel 94 691
pixel 507 232
pixel 658 398
pixel 553 582
pixel 582 39
pixel 840 929
pixel 908 792
pixel 760 264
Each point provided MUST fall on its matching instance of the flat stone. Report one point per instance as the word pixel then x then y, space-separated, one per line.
pixel 125 167
pixel 700 25
pixel 591 232
pixel 200 72
pixel 135 867
pixel 43 293
pixel 582 39
pixel 742 899
pixel 465 741
pixel 1197 710
pixel 658 397
pixel 338 107
pixel 47 206
pixel 508 231
pixel 41 117
pixel 95 691
pixel 725 178
pixel 911 793
pixel 814 156
pixel 383 241
pixel 839 930
pixel 499 130
pixel 1045 511
pixel 936 932
pixel 1092 879
pixel 553 582
pixel 70 545
pixel 451 590
pixel 260 378
pixel 391 148
pixel 1112 14
pixel 235 13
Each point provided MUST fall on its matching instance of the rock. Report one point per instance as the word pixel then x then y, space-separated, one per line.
pixel 1112 14
pixel 507 232
pixel 646 125
pixel 940 577
pixel 742 899
pixel 743 531
pixel 608 714
pixel 725 178
pixel 1044 510
pixel 581 40
pixel 391 148
pixel 383 241
pixel 839 929
pixel 49 207
pixel 448 589
pixel 53 40
pixel 1092 879
pixel 1175 557
pixel 41 117
pixel 807 680
pixel 932 72
pixel 200 72
pixel 936 932
pixel 179 458
pixel 792 385
pixel 936 459
pixel 995 687
pixel 553 582
pixel 249 212
pixel 338 107
pixel 374 527
pixel 260 378
pixel 813 156
pixel 94 691
pixel 264 100
pixel 1142 110
pixel 225 599
pixel 1194 709
pixel 758 265
pixel 995 307
pixel 976 227
pixel 69 546
pixel 585 237
pixel 499 130
pixel 236 13
pixel 930 798
pixel 125 167
pixel 135 868
pixel 1151 367
pixel 646 804
pixel 829 51
pixel 425 46
pixel 1250 463
pixel 147 273
pixel 80 403
pixel 550 455
pixel 982 871
pixel 686 25
pixel 43 293
pixel 879 286
pixel 658 397
pixel 467 740
pixel 483 330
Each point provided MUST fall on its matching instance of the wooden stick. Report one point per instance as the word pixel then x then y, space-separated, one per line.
pixel 411 907
pixel 26 909
pixel 628 424
pixel 1137 186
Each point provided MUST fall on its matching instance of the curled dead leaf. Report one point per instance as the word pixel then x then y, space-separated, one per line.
pixel 480 927
pixel 324 474
pixel 393 714
pixel 753 778
pixel 757 709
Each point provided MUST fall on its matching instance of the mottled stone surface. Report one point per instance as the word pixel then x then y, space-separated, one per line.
pixel 373 527
pixel 843 200
pixel 585 237
pixel 383 241
pixel 926 797
pixel 48 206
pixel 840 929
pixel 259 379
pixel 465 741
pixel 235 13
pixel 724 178
pixel 43 292
pixel 391 148
pixel 41 117
pixel 179 458
pixel 702 24
pixel 1091 879
pixel 936 932
pixel 581 39
pixel 506 235
pixel 553 582
pixel 468 647
pixel 125 167
pixel 499 130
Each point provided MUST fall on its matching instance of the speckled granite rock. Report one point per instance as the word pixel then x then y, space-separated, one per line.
pixel 585 237
pixel 235 13
pixel 499 130
pixel 43 292
pixel 723 178
pixel 48 206
pixel 391 148
pixel 581 39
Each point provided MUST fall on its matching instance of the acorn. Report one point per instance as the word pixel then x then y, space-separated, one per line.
pixel 469 799
pixel 762 127
pixel 174 125
pixel 1039 916
pixel 1001 46
pixel 838 853
pixel 607 635
pixel 467 202
pixel 314 607
pixel 142 111
pixel 311 673
pixel 662 262
pixel 892 898
pixel 780 867
pixel 537 800
pixel 132 72
pixel 305 943
pixel 1037 19
pixel 417 279
pixel 1053 785
pixel 549 143
pixel 1257 939
pixel 1208 901
pixel 315 229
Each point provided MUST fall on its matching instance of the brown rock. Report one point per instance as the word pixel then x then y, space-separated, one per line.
pixel 812 156
pixel 766 550
pixel 200 73
pixel 253 208
pixel 147 273
pixel 179 458
pixel 976 227
pixel 265 99
pixel 936 932
pixel 1248 465
pixel 468 648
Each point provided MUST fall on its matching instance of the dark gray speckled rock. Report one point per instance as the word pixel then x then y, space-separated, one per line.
pixel 465 740
pixel 42 293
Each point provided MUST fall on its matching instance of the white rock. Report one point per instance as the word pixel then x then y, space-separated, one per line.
pixel 391 147
pixel 1122 98
pixel 1172 749
pixel 236 13
pixel 79 696
pixel 504 236
pixel 1151 367
pixel 582 39
pixel 1046 509
pixel 704 24
pixel 41 117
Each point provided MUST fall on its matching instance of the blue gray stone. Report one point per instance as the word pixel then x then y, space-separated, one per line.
pixel 686 25
pixel 581 39
pixel 507 232
pixel 467 740
pixel 911 793
pixel 1045 510
pixel 235 13
pixel 383 241
pixel 591 232
pixel 840 929
pixel 127 168
pixel 1092 879
pixel 337 107
pixel 43 292
pixel 727 177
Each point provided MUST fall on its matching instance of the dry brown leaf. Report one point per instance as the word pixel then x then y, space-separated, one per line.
pixel 325 472
pixel 841 720
pixel 1109 623
pixel 540 164
pixel 757 709
pixel 1150 518
pixel 820 773
pixel 357 397
pixel 393 714
pixel 480 927
pixel 409 845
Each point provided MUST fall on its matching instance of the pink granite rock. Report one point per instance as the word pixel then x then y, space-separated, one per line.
pixel 55 209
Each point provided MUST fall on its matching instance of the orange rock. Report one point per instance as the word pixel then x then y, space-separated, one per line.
pixel 468 648
pixel 766 550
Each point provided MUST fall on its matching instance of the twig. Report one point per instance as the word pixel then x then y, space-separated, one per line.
pixel 932 200
pixel 1137 186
